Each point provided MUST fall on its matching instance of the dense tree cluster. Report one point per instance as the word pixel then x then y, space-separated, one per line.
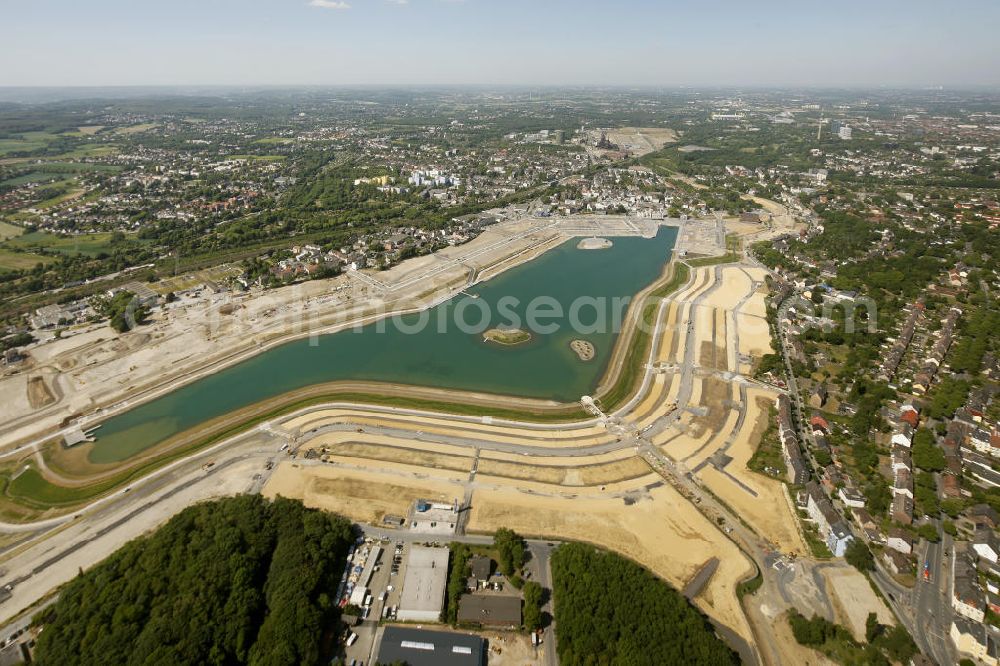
pixel 927 455
pixel 457 577
pixel 884 644
pixel 948 395
pixel 123 311
pixel 977 337
pixel 533 600
pixel 16 340
pixel 610 610
pixel 859 556
pixel 511 551
pixel 237 581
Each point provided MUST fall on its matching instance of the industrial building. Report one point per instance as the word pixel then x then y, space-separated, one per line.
pixel 365 576
pixel 434 517
pixel 416 647
pixel 424 584
pixel 492 611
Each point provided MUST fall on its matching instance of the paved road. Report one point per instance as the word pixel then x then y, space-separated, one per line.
pixel 541 568
pixel 90 534
pixel 931 603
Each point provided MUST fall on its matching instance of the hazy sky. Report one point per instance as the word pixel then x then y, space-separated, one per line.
pixel 647 42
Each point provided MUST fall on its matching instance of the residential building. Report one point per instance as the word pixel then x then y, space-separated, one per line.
pixel 902 509
pixel 900 541
pixel 985 544
pixel 851 497
pixel 902 435
pixel 831 526
pixel 480 568
pixel 967 598
pixel 903 483
pixel 974 640
pixel 898 563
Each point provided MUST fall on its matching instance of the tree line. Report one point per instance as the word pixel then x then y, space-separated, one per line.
pixel 610 610
pixel 241 580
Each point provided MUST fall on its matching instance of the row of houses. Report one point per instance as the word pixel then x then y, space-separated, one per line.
pixel 795 465
pixel 923 379
pixel 975 568
pixel 831 525
pixel 895 355
pixel 986 441
pixel 902 464
pixel 968 598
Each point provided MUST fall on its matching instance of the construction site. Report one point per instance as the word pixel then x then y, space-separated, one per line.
pixel 659 475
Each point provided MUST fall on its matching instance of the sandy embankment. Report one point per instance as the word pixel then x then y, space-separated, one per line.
pixel 768 512
pixel 662 531
pixel 361 495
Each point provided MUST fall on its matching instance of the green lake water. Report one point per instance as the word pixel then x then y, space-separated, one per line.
pixel 544 367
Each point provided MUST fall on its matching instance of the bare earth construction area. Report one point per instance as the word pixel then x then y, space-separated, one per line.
pixel 658 474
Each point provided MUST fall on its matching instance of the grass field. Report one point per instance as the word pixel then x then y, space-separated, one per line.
pixel 17 261
pixel 274 140
pixel 69 193
pixel 258 158
pixel 100 150
pixel 86 130
pixel 9 230
pixel 135 129
pixel 88 244
pixel 733 254
pixel 27 141
pixel 32 490
pixel 33 177
pixel 76 167
pixel 727 258
pixel 30 485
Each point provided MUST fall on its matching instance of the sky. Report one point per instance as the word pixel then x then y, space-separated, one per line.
pixel 815 43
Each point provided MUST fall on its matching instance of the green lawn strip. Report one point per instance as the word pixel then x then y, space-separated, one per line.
pixel 70 193
pixel 751 585
pixel 17 261
pixel 76 167
pixel 631 371
pixel 258 158
pixel 88 244
pixel 33 177
pixel 727 258
pixel 31 490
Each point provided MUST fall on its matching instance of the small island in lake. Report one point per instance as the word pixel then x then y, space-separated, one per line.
pixel 585 351
pixel 594 243
pixel 506 336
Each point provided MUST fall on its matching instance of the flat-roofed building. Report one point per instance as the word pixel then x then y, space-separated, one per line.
pixel 496 612
pixel 424 584
pixel 417 647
